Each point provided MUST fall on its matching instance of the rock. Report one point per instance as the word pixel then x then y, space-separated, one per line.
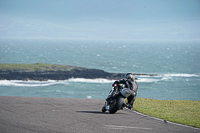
pixel 58 72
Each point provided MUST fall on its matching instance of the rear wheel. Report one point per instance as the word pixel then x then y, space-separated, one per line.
pixel 116 105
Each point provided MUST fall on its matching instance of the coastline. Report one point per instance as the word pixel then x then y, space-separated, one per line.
pixel 43 72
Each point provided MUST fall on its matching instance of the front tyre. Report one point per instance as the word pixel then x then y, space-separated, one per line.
pixel 116 105
pixel 103 109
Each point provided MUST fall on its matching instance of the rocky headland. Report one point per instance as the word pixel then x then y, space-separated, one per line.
pixel 44 72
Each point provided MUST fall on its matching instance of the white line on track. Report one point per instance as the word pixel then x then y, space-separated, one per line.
pixel 125 127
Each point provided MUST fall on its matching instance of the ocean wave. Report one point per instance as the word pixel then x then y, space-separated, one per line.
pixel 19 83
pixel 140 79
pixel 170 75
pixel 99 80
pixel 148 80
pixel 29 83
pixel 164 77
pixel 181 75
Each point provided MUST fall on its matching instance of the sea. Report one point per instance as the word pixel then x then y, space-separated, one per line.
pixel 176 65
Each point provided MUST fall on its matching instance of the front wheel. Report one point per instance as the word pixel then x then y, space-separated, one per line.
pixel 103 109
pixel 116 105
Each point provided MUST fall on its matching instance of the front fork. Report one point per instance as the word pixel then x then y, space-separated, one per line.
pixel 107 106
pixel 111 93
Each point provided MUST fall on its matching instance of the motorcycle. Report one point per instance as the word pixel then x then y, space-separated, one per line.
pixel 118 101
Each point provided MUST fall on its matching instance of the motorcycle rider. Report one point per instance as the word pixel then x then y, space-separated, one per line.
pixel 130 83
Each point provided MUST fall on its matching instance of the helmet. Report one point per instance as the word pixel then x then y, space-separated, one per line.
pixel 129 76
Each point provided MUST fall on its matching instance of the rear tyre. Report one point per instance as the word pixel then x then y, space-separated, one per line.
pixel 116 105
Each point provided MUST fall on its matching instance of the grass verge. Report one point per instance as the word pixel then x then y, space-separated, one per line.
pixel 179 111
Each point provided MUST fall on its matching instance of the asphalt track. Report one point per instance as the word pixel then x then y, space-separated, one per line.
pixel 69 115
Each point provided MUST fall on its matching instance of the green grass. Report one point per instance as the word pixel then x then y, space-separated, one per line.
pixel 34 67
pixel 179 111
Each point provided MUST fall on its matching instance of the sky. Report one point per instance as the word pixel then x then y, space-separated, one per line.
pixel 101 19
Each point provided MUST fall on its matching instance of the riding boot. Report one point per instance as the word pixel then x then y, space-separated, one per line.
pixel 127 105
